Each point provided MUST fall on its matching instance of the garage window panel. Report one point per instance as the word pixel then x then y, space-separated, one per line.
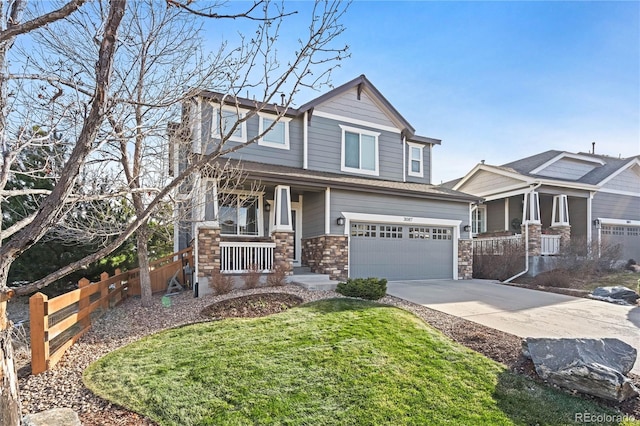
pixel 633 232
pixel 363 230
pixel 441 233
pixel 419 233
pixel 390 231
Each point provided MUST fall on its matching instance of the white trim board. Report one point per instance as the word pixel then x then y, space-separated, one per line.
pixel 624 222
pixel 383 218
pixel 356 122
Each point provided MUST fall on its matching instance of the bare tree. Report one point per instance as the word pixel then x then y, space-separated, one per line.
pixel 50 208
pixel 99 112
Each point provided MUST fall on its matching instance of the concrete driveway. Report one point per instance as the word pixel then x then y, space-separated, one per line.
pixel 523 312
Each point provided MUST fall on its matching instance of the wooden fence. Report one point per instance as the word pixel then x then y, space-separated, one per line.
pixel 57 323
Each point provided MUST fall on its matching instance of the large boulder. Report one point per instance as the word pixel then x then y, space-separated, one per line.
pixel 593 366
pixel 617 294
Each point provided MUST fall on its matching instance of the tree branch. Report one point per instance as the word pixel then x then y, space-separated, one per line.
pixel 17 29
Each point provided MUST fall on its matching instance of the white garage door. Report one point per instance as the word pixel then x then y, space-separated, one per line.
pixel 628 237
pixel 400 251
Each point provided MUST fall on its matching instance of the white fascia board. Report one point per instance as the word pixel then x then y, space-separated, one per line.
pixel 492 169
pixel 504 192
pixel 630 164
pixel 565 184
pixel 562 155
pixel 409 220
pixel 609 221
pixel 356 122
pixel 619 192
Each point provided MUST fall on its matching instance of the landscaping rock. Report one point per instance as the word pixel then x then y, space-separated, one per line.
pixel 592 366
pixel 53 417
pixel 618 294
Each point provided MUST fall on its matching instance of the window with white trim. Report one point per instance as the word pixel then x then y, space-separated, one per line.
pixel 228 117
pixel 359 151
pixel 479 220
pixel 415 167
pixel 278 136
pixel 239 214
pixel 419 233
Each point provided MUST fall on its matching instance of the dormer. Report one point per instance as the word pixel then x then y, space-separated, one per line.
pixel 568 166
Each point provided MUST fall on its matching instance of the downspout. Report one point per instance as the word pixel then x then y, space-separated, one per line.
pixel 305 140
pixel 404 158
pixel 526 243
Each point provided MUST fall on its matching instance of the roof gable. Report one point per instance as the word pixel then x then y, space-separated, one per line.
pixel 359 89
pixel 568 166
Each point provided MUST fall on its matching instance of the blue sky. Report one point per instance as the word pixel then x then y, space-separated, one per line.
pixel 498 81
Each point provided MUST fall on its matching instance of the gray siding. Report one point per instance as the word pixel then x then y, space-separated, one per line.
pixel 484 181
pixel 313 214
pixel 578 217
pixel 568 168
pixel 615 206
pixel 325 149
pixel 360 202
pixel 254 152
pixel 495 216
pixel 628 180
pixel 348 105
pixel 515 210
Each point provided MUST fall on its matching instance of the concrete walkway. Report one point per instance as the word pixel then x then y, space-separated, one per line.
pixel 523 312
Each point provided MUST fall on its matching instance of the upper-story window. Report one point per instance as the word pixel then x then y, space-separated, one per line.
pixel 415 159
pixel 278 136
pixel 359 151
pixel 228 117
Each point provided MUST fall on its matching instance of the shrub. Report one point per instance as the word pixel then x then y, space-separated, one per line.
pixel 252 277
pixel 278 276
pixel 498 260
pixel 554 278
pixel 221 283
pixel 365 288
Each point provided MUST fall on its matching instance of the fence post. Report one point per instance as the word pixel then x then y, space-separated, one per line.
pixel 84 303
pixel 104 291
pixel 39 325
pixel 117 296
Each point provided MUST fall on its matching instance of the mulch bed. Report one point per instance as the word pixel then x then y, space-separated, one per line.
pixel 251 306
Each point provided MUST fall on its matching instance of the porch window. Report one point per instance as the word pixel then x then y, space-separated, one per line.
pixel 228 117
pixel 415 160
pixel 278 136
pixel 359 151
pixel 560 216
pixel 238 214
pixel 479 220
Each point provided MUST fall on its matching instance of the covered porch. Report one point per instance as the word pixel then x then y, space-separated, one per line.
pixel 555 219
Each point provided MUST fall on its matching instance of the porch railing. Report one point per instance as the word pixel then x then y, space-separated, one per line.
pixel 240 257
pixel 549 245
pixel 496 245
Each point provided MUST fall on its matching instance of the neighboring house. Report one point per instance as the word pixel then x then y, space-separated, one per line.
pixel 562 196
pixel 344 188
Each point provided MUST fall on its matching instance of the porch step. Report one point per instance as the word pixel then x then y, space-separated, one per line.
pixel 314 282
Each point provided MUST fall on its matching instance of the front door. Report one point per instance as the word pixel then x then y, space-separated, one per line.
pixel 296 219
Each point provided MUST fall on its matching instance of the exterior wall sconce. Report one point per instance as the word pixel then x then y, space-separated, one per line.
pixel 340 221
pixel 466 228
pixel 267 207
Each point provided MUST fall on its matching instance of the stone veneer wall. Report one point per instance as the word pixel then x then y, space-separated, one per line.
pixel 535 238
pixel 283 253
pixel 208 252
pixel 465 259
pixel 565 235
pixel 327 254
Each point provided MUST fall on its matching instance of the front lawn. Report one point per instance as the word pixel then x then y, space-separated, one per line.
pixel 338 361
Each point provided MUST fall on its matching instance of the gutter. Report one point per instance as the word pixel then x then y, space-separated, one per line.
pixel 526 244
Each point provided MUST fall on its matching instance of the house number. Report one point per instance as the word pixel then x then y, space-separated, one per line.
pixel 408 219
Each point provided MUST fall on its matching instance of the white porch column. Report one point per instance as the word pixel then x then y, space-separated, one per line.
pixel 282 216
pixel 560 216
pixel 531 208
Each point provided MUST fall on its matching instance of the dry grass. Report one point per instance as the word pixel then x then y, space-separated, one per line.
pixel 252 278
pixel 221 283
